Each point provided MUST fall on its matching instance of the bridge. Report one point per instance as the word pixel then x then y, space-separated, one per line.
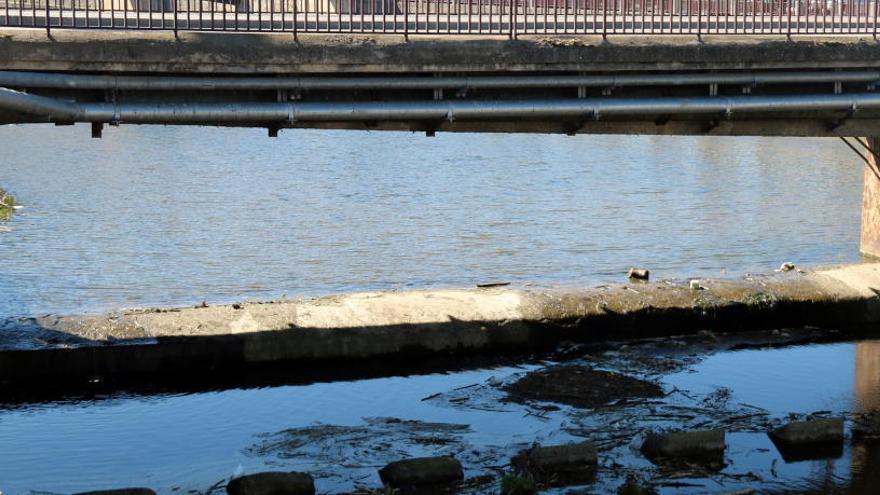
pixel 676 67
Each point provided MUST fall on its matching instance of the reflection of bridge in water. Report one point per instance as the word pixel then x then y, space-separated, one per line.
pixel 505 17
pixel 866 458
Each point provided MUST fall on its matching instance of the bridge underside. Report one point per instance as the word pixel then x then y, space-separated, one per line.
pixel 784 109
pixel 579 85
pixel 824 125
pixel 761 103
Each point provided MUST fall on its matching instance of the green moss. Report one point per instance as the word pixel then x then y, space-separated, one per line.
pixel 7 202
pixel 761 299
pixel 517 485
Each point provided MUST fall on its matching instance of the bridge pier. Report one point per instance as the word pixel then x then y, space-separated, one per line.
pixel 870 236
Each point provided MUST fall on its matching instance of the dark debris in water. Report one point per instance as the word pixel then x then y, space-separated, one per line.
pixel 366 445
pixel 357 452
pixel 581 386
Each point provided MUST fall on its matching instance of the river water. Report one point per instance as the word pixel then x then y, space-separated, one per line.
pixel 176 215
pixel 342 432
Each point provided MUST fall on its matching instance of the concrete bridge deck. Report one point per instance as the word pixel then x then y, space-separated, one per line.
pixel 118 51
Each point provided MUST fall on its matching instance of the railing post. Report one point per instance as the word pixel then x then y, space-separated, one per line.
pixel 875 19
pixel 48 27
pixel 510 18
pixel 174 19
pixel 788 28
pixel 405 20
pixel 604 19
pixel 699 19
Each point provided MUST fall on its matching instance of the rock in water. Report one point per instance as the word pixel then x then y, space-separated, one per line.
pixel 814 439
pixel 422 471
pixel 631 488
pixel 639 273
pixel 708 443
pixel 786 267
pixel 810 432
pixel 272 483
pixel 559 462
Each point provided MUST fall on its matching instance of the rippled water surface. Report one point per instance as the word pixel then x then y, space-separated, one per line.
pixel 173 215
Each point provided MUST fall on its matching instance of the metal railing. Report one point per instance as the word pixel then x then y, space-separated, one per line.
pixel 471 17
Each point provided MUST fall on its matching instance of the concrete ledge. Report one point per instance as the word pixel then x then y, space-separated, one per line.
pixel 421 323
pixel 230 53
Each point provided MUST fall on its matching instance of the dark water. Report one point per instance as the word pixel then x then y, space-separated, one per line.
pixel 177 443
pixel 172 216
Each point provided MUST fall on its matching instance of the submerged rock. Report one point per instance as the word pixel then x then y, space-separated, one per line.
pixel 272 483
pixel 570 461
pixel 630 488
pixel 580 386
pixel 866 427
pixel 120 491
pixel 707 443
pixel 422 471
pixel 370 444
pixel 518 485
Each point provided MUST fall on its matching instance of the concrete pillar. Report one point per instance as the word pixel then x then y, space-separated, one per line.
pixel 870 239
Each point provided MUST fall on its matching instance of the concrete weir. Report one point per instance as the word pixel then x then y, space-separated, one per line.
pixel 145 343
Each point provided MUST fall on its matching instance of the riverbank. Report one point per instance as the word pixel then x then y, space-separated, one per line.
pixel 354 328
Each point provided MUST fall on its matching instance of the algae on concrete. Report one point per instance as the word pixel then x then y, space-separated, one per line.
pixel 761 299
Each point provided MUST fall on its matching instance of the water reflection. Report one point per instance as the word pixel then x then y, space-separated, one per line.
pixel 867 384
pixel 866 455
pixel 190 441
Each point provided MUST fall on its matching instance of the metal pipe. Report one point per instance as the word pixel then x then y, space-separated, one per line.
pixel 51 108
pixel 289 112
pixel 20 79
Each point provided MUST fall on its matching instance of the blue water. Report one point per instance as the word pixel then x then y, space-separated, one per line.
pixel 175 215
pixel 175 443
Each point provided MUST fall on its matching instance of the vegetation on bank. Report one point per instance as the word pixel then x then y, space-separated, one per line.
pixel 7 205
